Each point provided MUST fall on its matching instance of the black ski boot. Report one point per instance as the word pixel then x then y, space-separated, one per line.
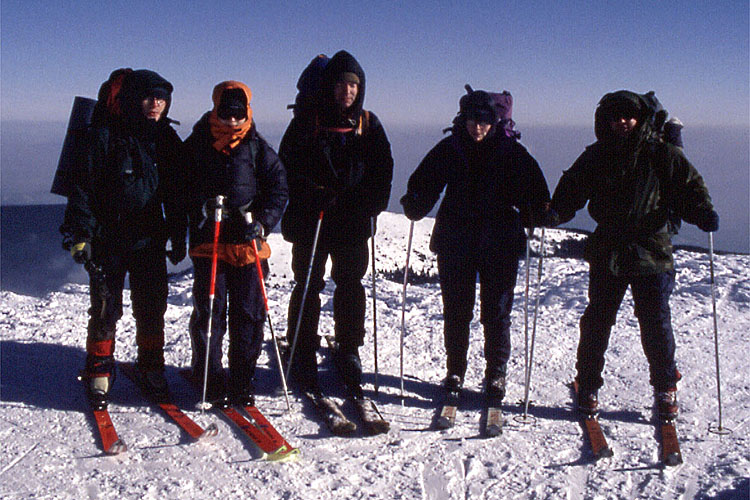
pixel 494 387
pixel 153 382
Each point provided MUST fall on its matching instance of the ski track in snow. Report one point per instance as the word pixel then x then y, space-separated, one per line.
pixel 51 449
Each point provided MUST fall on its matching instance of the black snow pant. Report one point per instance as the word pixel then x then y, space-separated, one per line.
pixel 237 296
pixel 348 267
pixel 651 305
pixel 147 269
pixel 497 279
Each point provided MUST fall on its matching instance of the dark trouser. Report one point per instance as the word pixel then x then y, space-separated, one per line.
pixel 348 267
pixel 651 299
pixel 238 296
pixel 497 279
pixel 148 292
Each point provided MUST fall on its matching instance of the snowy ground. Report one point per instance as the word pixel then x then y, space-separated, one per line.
pixel 50 449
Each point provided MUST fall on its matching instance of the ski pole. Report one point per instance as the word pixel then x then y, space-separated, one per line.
pixel 720 429
pixel 374 304
pixel 533 324
pixel 259 268
pixel 304 294
pixel 530 233
pixel 403 304
pixel 212 293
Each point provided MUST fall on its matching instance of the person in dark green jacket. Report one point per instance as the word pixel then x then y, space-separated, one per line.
pixel 126 181
pixel 635 185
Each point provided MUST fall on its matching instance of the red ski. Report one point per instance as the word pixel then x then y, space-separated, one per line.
pixel 111 443
pixel 186 423
pixel 264 425
pixel 274 450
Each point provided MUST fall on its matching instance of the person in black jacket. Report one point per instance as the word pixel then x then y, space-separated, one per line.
pixel 229 158
pixel 127 179
pixel 491 185
pixel 635 185
pixel 338 162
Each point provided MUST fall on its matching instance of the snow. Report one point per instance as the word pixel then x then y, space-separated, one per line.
pixel 51 449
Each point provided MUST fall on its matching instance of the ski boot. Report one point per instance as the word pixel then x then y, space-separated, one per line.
pixel 588 402
pixel 666 404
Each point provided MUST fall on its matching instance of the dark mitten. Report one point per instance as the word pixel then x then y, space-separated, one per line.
pixel 254 231
pixel 411 207
pixel 178 252
pixel 709 222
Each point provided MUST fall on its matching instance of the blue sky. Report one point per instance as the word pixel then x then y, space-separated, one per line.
pixel 556 58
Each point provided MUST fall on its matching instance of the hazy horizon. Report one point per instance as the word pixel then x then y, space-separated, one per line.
pixel 28 162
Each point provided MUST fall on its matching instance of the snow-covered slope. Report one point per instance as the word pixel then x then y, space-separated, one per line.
pixel 50 449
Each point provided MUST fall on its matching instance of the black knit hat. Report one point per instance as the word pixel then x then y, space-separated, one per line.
pixel 478 106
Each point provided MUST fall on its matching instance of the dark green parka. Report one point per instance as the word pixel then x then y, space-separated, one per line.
pixel 127 180
pixel 633 187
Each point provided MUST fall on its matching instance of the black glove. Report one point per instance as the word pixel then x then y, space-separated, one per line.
pixel 411 207
pixel 709 222
pixel 81 252
pixel 177 253
pixel 254 231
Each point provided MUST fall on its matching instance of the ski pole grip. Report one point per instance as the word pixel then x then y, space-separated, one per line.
pixel 219 208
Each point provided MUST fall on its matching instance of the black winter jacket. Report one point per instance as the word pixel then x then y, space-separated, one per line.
pixel 354 169
pixel 124 186
pixel 490 187
pixel 252 178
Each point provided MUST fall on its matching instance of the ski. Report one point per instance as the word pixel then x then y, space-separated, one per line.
pixel 284 450
pixel 670 446
pixel 331 414
pixel 271 451
pixel 111 443
pixel 187 424
pixel 372 421
pixel 493 425
pixel 448 410
pixel 593 430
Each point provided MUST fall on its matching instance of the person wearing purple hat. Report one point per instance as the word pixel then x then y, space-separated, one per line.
pixel 493 188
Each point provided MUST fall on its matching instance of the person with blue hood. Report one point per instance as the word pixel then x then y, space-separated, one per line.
pixel 636 185
pixel 493 188
pixel 339 164
pixel 122 210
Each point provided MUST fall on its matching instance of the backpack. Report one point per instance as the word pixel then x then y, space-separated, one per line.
pixel 85 114
pixel 308 86
pixel 503 104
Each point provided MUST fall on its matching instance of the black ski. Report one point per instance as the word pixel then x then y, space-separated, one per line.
pixel 331 414
pixel 186 423
pixel 593 430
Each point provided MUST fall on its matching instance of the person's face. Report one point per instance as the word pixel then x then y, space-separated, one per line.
pixel 478 130
pixel 232 121
pixel 153 107
pixel 344 93
pixel 623 125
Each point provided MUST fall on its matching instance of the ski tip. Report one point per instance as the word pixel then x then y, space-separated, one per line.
pixel 284 454
pixel 209 432
pixel 673 459
pixel 116 448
